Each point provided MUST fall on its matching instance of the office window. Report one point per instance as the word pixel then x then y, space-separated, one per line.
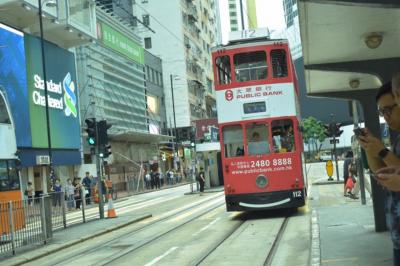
pixel 147 42
pixel 134 21
pixel 146 20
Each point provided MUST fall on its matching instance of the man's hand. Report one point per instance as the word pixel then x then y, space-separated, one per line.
pixel 389 177
pixel 370 143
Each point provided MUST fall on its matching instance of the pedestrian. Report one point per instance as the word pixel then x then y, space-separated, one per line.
pixel 152 179
pixel 202 180
pixel 77 193
pixel 171 177
pixel 147 179
pixel 29 193
pixel 87 184
pixel 161 177
pixel 347 173
pixel 57 189
pixel 157 179
pixel 69 194
pixel 379 156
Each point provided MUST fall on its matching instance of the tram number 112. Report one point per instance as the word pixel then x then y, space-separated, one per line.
pixel 296 194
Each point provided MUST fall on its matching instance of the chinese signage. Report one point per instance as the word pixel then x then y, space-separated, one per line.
pixel 120 43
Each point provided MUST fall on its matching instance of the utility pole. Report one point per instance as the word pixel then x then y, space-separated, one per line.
pixel 173 111
pixel 360 167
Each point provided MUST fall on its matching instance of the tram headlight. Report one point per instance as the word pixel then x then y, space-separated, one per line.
pixel 261 181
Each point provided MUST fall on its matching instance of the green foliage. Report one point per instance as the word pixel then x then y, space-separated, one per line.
pixel 313 129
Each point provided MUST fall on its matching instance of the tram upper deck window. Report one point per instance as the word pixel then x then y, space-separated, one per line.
pixel 279 63
pixel 250 66
pixel 283 135
pixel 233 141
pixel 257 139
pixel 4 116
pixel 223 68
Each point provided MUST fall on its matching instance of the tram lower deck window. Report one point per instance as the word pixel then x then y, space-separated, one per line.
pixel 233 141
pixel 283 136
pixel 9 179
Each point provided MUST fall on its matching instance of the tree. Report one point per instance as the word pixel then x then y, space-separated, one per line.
pixel 313 132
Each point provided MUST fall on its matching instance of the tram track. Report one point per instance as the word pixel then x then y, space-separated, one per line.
pixel 154 223
pixel 274 247
pixel 156 237
pixel 235 233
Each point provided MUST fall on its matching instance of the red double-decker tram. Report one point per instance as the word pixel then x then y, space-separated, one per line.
pixel 258 117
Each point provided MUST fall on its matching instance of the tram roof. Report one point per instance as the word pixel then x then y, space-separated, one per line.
pixel 248 43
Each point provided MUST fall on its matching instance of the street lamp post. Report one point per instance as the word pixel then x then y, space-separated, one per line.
pixel 50 3
pixel 173 111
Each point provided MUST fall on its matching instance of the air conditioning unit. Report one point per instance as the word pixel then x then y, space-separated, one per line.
pixel 43 159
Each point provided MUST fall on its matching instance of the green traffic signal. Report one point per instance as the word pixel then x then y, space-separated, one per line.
pixel 91 141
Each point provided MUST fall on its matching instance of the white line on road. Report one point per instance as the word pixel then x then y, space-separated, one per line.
pixel 160 257
pixel 207 226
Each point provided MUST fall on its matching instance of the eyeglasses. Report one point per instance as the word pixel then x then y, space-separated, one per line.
pixel 386 110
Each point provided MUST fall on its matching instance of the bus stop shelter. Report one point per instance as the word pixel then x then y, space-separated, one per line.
pixel 350 49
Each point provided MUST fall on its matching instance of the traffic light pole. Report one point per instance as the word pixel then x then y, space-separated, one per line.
pixel 99 176
pixel 335 154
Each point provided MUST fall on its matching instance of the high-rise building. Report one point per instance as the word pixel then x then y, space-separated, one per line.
pixel 242 14
pixel 181 33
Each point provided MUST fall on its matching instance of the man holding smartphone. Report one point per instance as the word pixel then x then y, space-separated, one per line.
pixel 390 176
pixel 379 156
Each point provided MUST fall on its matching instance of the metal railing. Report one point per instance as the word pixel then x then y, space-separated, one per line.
pixel 22 223
pixel 32 221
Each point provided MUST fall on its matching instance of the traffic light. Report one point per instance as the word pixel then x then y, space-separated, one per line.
pixel 105 151
pixel 91 131
pixel 329 129
pixel 103 126
pixel 337 131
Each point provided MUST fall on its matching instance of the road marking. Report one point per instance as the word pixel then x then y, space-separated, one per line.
pixel 340 260
pixel 206 227
pixel 161 257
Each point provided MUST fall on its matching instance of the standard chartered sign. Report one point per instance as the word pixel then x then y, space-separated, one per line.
pixel 65 98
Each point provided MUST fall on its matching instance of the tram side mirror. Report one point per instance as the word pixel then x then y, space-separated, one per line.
pixel 301 129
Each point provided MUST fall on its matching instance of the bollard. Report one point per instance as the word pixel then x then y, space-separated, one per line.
pixel 11 223
pixel 83 203
pixel 64 215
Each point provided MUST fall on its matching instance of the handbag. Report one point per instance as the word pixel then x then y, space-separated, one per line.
pixel 350 183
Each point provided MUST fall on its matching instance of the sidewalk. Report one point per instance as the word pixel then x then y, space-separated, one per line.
pixel 73 235
pixel 343 229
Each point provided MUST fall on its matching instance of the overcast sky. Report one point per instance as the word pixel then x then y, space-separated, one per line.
pixel 269 14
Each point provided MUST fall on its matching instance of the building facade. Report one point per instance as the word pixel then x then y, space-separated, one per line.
pixel 122 84
pixel 184 33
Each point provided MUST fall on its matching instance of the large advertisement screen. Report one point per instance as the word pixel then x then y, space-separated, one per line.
pixel 13 81
pixel 21 76
pixel 62 95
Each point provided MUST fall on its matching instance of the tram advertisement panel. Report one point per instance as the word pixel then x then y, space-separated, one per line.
pixel 250 102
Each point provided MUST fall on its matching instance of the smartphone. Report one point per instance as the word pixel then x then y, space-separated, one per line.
pixel 359 132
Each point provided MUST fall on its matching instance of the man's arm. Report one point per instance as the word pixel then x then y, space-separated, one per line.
pixel 372 147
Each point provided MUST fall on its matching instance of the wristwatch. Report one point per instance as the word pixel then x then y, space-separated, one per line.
pixel 383 153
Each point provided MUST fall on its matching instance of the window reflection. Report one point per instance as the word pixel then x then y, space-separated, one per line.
pixel 233 141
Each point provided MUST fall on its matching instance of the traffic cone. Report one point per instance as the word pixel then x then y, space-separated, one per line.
pixel 111 211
